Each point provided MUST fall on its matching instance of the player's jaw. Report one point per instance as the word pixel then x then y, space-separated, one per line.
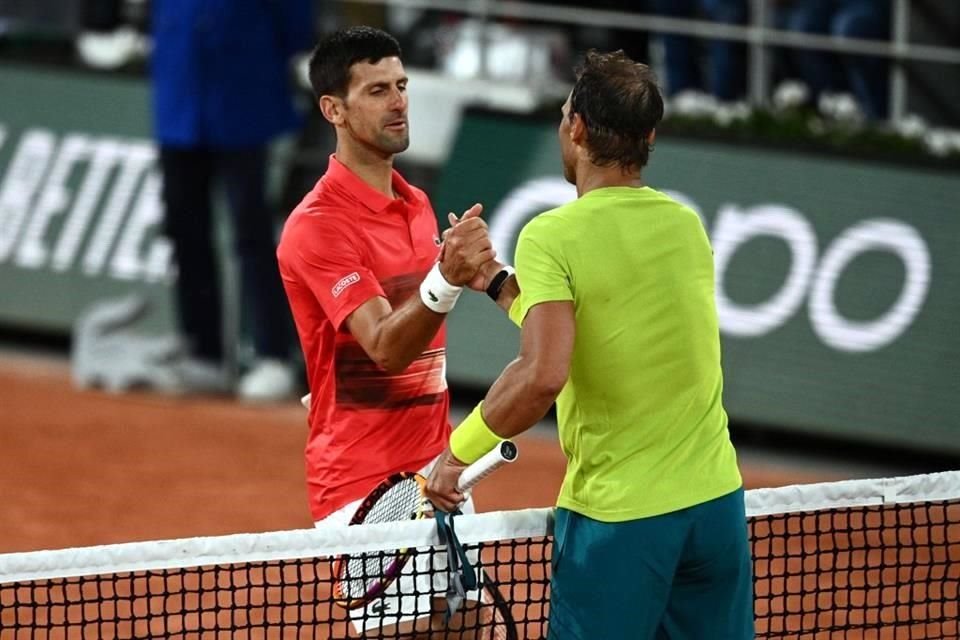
pixel 394 133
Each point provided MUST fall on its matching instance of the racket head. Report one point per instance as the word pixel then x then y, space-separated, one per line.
pixel 361 578
pixel 489 618
pixel 497 618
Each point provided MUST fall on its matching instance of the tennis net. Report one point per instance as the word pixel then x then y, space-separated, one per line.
pixel 860 559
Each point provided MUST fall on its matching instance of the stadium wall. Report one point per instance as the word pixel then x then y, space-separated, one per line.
pixel 836 277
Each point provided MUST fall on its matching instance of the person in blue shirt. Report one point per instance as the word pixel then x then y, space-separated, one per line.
pixel 222 91
pixel 866 77
pixel 723 71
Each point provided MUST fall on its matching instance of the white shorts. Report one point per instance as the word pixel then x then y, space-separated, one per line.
pixel 421 580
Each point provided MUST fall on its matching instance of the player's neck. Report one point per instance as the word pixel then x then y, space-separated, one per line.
pixel 591 177
pixel 373 168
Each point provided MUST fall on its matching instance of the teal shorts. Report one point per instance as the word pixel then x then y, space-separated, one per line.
pixel 684 575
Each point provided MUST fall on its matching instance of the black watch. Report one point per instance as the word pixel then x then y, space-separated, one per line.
pixel 496 284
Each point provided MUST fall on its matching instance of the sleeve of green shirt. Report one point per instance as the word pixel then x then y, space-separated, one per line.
pixel 542 271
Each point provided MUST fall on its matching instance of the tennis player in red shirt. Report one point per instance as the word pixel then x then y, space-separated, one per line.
pixel 370 282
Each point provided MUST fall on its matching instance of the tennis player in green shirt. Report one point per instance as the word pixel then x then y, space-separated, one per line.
pixel 614 293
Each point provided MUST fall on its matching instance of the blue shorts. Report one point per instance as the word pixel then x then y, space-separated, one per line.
pixel 684 575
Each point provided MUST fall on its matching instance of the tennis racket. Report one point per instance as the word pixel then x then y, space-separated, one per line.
pixel 361 578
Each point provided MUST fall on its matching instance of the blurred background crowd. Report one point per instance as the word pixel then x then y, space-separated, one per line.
pixel 212 95
pixel 544 37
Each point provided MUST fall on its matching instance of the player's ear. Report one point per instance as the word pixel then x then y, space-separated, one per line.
pixel 578 130
pixel 332 109
pixel 652 137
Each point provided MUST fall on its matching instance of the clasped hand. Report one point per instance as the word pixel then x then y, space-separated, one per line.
pixel 467 256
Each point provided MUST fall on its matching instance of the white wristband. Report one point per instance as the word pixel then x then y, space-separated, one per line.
pixel 438 294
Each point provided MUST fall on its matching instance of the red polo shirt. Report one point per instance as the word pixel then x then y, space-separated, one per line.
pixel 344 244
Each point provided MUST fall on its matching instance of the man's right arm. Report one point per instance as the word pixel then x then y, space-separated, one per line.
pixel 510 289
pixel 393 338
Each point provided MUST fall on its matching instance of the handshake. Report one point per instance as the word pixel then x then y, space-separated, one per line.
pixel 467 257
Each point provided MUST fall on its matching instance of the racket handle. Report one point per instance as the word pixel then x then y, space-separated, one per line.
pixel 500 455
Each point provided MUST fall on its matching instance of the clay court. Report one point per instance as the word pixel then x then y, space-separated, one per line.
pixel 86 467
pixel 83 467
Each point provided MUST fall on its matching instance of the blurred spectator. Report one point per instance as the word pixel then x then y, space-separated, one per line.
pixel 108 40
pixel 634 43
pixel 723 72
pixel 517 48
pixel 863 76
pixel 222 91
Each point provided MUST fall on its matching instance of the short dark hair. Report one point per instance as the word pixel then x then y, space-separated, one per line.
pixel 333 56
pixel 620 104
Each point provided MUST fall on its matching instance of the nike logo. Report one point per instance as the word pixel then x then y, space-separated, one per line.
pixel 433 298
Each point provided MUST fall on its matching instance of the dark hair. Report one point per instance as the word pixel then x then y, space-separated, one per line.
pixel 333 56
pixel 620 104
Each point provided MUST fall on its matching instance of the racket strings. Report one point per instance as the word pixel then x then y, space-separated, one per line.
pixel 364 572
pixel 402 501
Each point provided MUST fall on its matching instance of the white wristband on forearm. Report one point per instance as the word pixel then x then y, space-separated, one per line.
pixel 438 294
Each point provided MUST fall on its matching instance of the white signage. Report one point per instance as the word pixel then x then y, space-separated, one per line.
pixel 51 192
pixel 811 278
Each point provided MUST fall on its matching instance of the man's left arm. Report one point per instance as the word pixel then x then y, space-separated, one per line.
pixel 519 398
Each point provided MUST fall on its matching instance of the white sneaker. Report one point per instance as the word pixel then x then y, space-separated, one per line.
pixel 200 376
pixel 842 107
pixel 790 94
pixel 270 380
pixel 111 50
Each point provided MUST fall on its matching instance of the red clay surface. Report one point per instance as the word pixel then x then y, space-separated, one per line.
pixel 85 467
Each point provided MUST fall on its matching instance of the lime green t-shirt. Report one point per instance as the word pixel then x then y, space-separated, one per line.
pixel 641 418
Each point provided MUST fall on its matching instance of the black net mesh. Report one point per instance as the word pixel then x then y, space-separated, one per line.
pixel 277 599
pixel 868 572
pixel 880 572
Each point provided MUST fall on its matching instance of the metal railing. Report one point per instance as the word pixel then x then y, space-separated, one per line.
pixel 757 35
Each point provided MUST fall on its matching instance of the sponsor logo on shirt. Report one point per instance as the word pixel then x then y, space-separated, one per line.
pixel 345 282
